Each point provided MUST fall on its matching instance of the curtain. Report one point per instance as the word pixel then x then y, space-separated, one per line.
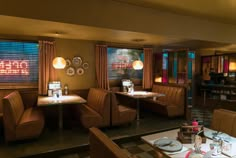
pixel 147 68
pixel 46 71
pixel 101 66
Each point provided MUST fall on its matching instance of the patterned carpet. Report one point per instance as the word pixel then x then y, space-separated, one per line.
pixel 135 147
pixel 138 148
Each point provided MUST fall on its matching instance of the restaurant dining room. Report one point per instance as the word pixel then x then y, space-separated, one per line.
pixel 117 79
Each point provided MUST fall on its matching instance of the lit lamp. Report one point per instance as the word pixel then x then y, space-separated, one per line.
pixel 137 65
pixel 59 63
pixel 232 66
pixel 158 79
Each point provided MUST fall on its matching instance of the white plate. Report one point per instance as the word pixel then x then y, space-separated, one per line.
pixel 80 71
pixel 77 61
pixel 170 145
pixel 70 71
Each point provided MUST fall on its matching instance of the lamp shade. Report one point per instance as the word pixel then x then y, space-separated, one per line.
pixel 137 65
pixel 59 63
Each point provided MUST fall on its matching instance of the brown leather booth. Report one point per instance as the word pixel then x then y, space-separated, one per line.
pixel 103 147
pixel 97 110
pixel 224 121
pixel 172 104
pixel 20 123
pixel 120 114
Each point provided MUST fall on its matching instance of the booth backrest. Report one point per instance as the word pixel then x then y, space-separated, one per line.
pixel 173 95
pixel 114 107
pixel 174 101
pixel 99 100
pixel 20 122
pixel 224 121
pixel 14 107
pixel 103 147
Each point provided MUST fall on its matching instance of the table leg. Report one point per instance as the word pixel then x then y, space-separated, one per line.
pixel 60 110
pixel 138 110
pixel 204 99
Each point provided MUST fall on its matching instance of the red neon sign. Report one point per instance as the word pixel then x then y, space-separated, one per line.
pixel 14 67
pixel 120 65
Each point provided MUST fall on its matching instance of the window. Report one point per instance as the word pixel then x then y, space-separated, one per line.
pixel 18 62
pixel 120 63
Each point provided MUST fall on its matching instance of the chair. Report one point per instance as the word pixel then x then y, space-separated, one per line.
pixel 101 146
pixel 20 123
pixel 120 114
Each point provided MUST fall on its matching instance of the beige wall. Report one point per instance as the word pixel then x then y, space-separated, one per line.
pixel 84 49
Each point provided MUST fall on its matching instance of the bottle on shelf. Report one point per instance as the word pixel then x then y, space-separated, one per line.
pixel 195 123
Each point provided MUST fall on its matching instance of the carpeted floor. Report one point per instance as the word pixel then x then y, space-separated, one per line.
pixel 54 141
pixel 142 150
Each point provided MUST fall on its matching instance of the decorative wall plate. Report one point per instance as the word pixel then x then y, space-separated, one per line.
pixel 68 62
pixel 77 61
pixel 80 71
pixel 70 71
pixel 85 65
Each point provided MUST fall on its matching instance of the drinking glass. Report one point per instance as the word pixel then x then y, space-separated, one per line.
pixel 216 146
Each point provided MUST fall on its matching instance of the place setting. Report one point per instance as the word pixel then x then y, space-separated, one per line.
pixel 170 146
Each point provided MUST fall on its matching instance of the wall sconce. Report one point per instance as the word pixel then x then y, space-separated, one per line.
pixel 137 65
pixel 59 63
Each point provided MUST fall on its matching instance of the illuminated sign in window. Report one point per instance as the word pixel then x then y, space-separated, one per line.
pixel 120 63
pixel 14 67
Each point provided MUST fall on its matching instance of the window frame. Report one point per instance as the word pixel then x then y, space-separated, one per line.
pixel 19 85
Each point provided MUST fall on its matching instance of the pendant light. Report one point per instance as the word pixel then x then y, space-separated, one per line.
pixel 137 65
pixel 59 63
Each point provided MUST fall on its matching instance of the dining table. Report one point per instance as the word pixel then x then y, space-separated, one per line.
pixel 137 95
pixel 187 148
pixel 49 101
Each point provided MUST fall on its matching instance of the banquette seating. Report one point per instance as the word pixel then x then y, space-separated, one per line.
pixel 102 110
pixel 172 104
pixel 20 123
pixel 120 114
pixel 96 112
pixel 103 147
pixel 224 121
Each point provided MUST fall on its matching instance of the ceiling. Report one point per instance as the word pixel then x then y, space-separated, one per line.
pixel 223 11
pixel 216 10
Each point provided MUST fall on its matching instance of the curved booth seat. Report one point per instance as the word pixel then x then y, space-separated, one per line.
pixel 172 104
pixel 224 121
pixel 20 123
pixel 96 113
pixel 102 146
pixel 121 114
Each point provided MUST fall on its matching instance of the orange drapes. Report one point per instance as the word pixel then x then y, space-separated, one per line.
pixel 147 68
pixel 46 71
pixel 101 66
